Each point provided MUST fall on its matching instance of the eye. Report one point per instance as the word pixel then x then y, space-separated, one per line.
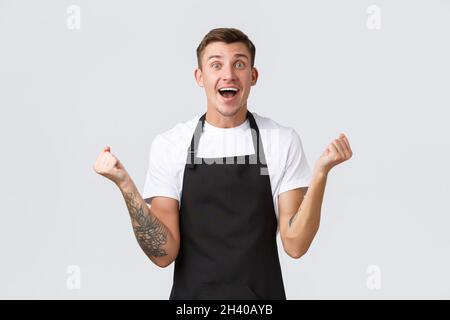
pixel 240 65
pixel 215 65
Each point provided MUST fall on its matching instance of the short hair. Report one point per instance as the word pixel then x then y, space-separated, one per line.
pixel 227 35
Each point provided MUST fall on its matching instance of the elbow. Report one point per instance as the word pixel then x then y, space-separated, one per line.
pixel 297 246
pixel 296 253
pixel 163 263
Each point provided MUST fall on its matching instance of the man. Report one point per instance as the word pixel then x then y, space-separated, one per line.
pixel 219 190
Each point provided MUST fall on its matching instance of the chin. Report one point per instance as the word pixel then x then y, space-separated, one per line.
pixel 228 110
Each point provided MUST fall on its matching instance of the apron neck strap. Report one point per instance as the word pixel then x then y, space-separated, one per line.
pixel 193 148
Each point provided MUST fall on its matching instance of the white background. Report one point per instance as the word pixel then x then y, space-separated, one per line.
pixel 127 75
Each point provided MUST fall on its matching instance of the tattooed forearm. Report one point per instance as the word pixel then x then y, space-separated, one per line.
pixel 150 233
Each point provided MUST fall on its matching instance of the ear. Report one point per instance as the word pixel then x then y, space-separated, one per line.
pixel 254 76
pixel 198 76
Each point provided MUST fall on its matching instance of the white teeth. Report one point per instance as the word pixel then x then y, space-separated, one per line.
pixel 228 89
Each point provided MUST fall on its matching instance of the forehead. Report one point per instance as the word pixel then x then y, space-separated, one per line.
pixel 225 49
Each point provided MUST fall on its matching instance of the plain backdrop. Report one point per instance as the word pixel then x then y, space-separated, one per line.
pixel 127 74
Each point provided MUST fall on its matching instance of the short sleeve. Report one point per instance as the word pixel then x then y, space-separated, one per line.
pixel 160 179
pixel 297 173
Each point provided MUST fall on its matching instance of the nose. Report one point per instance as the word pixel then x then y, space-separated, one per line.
pixel 229 74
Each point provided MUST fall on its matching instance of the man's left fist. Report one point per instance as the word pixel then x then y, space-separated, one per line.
pixel 336 152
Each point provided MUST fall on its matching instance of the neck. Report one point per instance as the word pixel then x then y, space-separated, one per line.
pixel 219 120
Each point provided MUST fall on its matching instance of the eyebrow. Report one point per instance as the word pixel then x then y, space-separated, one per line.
pixel 237 55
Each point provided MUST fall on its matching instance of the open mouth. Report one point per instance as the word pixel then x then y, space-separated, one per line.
pixel 228 92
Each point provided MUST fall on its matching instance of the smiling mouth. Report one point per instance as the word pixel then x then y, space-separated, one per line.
pixel 228 93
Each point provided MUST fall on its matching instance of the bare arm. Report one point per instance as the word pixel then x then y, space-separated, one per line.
pixel 300 213
pixel 298 226
pixel 156 229
pixel 153 234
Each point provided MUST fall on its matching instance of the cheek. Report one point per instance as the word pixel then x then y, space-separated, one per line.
pixel 209 83
pixel 246 78
pixel 210 89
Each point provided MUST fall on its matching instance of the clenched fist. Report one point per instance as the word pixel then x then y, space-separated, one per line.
pixel 110 167
pixel 337 151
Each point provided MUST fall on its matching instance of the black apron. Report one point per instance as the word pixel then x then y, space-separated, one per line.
pixel 228 226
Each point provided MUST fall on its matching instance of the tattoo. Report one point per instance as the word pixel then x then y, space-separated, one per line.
pixel 293 218
pixel 150 233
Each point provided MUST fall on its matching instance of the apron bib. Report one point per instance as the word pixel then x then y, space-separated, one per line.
pixel 228 225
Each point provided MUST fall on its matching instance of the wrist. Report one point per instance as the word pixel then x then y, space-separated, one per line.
pixel 320 171
pixel 126 185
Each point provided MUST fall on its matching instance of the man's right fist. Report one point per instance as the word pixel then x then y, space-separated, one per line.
pixel 110 167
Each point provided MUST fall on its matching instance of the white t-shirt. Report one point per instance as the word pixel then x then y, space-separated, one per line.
pixel 286 162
